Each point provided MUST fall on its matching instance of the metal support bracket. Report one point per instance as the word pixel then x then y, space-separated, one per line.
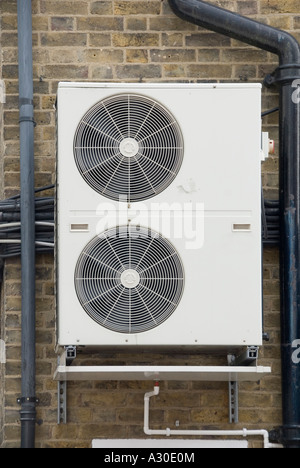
pixel 248 358
pixel 62 402
pixel 232 374
pixel 65 359
pixel 70 354
pixel 233 402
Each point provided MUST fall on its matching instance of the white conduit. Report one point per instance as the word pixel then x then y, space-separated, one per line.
pixel 205 433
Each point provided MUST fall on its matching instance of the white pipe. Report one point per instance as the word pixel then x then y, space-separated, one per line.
pixel 18 241
pixel 17 224
pixel 44 244
pixel 147 405
pixel 44 223
pixel 10 241
pixel 208 433
pixel 9 225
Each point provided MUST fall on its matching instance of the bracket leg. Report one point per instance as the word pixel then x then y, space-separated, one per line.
pixel 233 402
pixel 61 402
pixel 66 359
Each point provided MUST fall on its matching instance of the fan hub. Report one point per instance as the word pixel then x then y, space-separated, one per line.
pixel 129 147
pixel 130 278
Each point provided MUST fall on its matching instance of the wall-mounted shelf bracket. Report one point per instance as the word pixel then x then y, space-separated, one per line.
pixel 248 358
pixel 231 374
pixel 66 359
pixel 233 402
pixel 62 402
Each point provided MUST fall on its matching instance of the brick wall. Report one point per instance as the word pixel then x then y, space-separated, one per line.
pixel 126 40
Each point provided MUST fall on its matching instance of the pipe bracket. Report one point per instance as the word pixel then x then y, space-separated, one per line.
pixel 22 400
pixel 283 74
pixel 288 435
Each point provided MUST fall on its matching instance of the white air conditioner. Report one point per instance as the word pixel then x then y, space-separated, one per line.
pixel 158 215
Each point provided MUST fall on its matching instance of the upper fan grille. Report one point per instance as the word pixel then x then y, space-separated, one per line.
pixel 129 281
pixel 128 147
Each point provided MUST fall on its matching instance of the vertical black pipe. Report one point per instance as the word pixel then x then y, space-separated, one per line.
pixel 27 400
pixel 288 50
pixel 290 262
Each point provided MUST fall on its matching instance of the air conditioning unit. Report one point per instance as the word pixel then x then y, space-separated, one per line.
pixel 159 215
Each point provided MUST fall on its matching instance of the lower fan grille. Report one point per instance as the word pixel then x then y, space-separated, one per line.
pixel 128 280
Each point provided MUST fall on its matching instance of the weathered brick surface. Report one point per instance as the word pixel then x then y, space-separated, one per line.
pixel 131 40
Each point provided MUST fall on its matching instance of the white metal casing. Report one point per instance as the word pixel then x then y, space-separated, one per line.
pixel 219 184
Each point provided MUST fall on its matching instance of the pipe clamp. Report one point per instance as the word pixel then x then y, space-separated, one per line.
pixel 23 400
pixel 283 74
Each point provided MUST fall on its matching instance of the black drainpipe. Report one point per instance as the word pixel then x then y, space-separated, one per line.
pixel 288 49
pixel 27 400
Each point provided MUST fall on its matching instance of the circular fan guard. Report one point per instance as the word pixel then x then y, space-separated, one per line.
pixel 128 280
pixel 128 145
